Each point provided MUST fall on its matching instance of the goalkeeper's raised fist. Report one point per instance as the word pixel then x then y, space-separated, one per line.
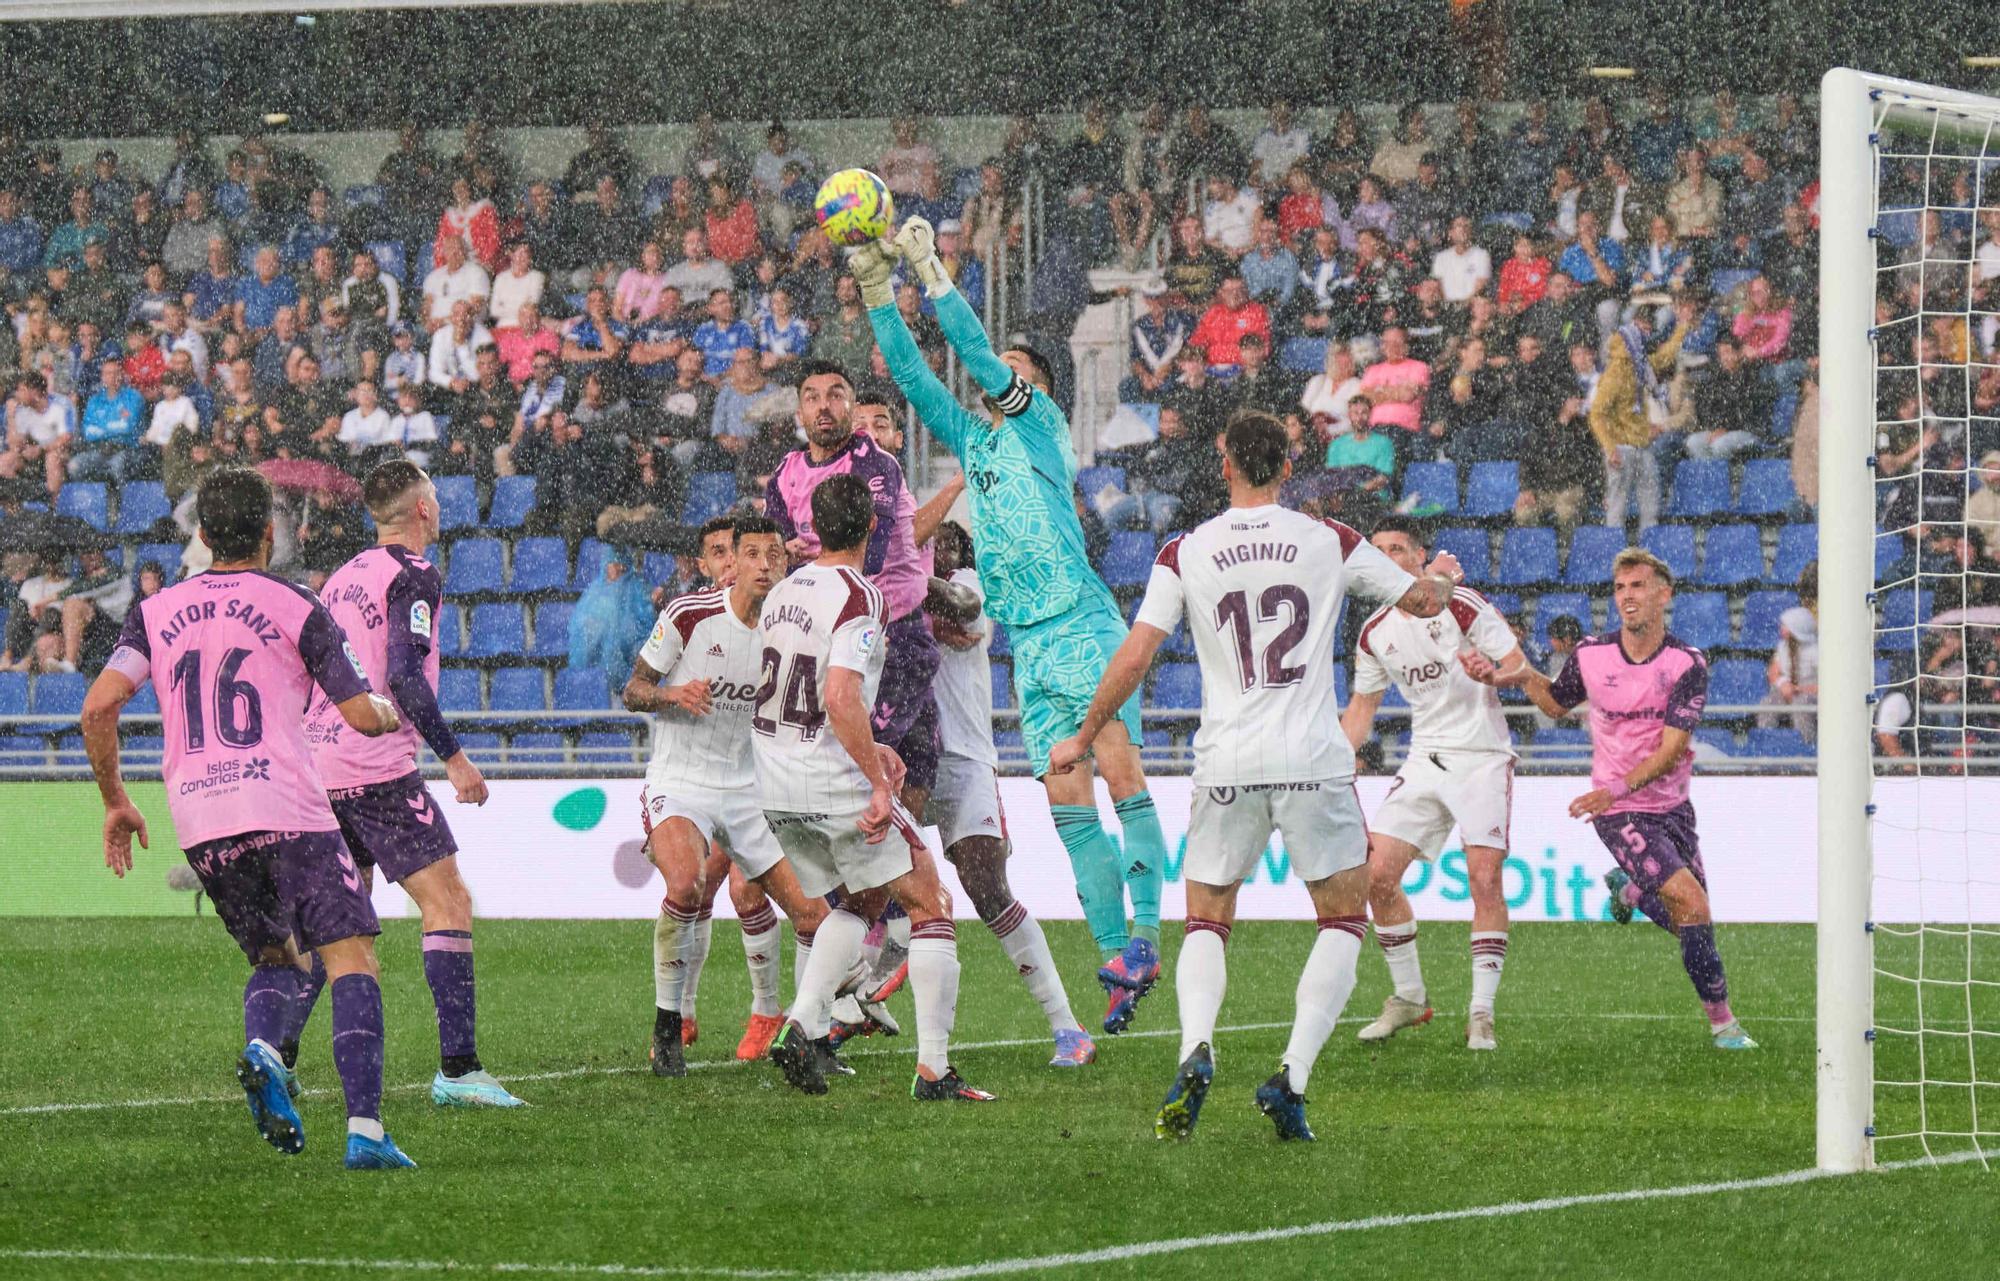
pixel 917 243
pixel 872 264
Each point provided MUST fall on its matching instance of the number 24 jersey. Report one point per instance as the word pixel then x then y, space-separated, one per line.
pixel 820 618
pixel 1261 588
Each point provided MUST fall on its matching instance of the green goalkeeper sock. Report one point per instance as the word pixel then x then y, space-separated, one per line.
pixel 1145 862
pixel 1098 886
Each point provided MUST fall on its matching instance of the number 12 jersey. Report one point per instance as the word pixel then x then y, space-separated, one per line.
pixel 1261 588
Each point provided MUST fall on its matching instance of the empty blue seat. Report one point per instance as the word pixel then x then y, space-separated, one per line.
pixel 458 690
pixel 483 748
pixel 1736 682
pixel 475 566
pixel 540 565
pixel 535 749
pixel 1527 556
pixel 1562 742
pixel 1553 605
pixel 1718 740
pixel 1128 562
pixel 1701 488
pixel 1777 743
pixel 86 500
pixel 14 693
pixel 450 631
pixel 1089 480
pixel 590 557
pixel 1592 548
pixel 1733 555
pixel 1761 611
pixel 1177 686
pixel 709 494
pixel 1508 603
pixel 551 629
pixel 497 631
pixel 1008 741
pixel 1491 488
pixel 1798 545
pixel 1701 619
pixel 1002 677
pixel 1767 488
pixel 1473 549
pixel 518 689
pixel 1340 683
pixel 998 645
pixel 660 568
pixel 1673 544
pixel 458 503
pixel 606 747
pixel 1433 483
pixel 23 749
pixel 513 499
pixel 582 689
pixel 58 694
pixel 166 555
pixel 1893 560
pixel 141 504
pixel 1302 355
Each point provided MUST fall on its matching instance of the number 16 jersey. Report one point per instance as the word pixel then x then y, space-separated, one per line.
pixel 1261 588
pixel 820 618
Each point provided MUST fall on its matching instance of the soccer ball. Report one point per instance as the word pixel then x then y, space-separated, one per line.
pixel 854 207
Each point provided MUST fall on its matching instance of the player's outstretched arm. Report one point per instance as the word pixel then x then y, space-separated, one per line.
pixel 924 525
pixel 1121 676
pixel 122 821
pixel 917 243
pixel 944 416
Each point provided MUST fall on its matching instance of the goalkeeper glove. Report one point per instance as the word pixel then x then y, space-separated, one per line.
pixel 872 265
pixel 917 243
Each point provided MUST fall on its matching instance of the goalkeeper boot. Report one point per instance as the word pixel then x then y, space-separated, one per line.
pixel 1127 978
pixel 1731 1036
pixel 950 1087
pixel 757 1037
pixel 1074 1048
pixel 262 1075
pixel 798 1058
pixel 1287 1110
pixel 1616 880
pixel 364 1153
pixel 1397 1014
pixel 473 1090
pixel 1183 1105
pixel 666 1053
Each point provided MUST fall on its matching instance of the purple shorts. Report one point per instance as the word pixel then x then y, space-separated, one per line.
pixel 271 886
pixel 395 825
pixel 1651 847
pixel 906 711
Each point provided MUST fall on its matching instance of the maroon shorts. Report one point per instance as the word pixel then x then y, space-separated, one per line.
pixel 1651 847
pixel 271 886
pixel 395 826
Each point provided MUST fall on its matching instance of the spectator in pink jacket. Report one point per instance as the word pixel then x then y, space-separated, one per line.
pixel 1764 328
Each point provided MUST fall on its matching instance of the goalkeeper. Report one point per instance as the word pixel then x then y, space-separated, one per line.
pixel 1020 471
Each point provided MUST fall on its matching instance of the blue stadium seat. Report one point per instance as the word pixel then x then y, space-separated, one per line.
pixel 709 494
pixel 1302 355
pixel 1736 682
pixel 70 753
pixel 144 702
pixel 1673 544
pixel 1089 480
pixel 1550 606
pixel 1901 608
pixel 58 694
pixel 23 750
pixel 450 631
pixel 1719 740
pixel 1562 742
pixel 590 556
pixel 1784 415
pixel 518 689
pixel 1732 556
pixel 1008 741
pixel 1767 488
pixel 358 194
pixel 1433 483
pixel 1180 644
pixel 483 748
pixel 998 645
pixel 497 631
pixel 582 689
pixel 551 629
pixel 606 747
pixel 147 747
pixel 167 554
pixel 14 693
pixel 86 500
pixel 1701 488
pixel 1797 546
pixel 1177 686
pixel 540 565
pixel 513 499
pixel 660 568
pixel 1892 557
pixel 1002 677
pixel 1761 611
pixel 458 690
pixel 1527 556
pixel 390 258
pixel 1340 683
pixel 1473 549
pixel 1701 619
pixel 1128 562
pixel 1778 742
pixel 141 503
pixel 1491 488
pixel 458 503
pixel 475 566
pixel 1508 603
pixel 1592 548
pixel 536 749
pixel 1393 697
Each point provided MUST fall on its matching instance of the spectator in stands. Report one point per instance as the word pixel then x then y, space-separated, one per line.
pixel 1661 265
pixel 314 229
pixel 83 623
pixel 1694 202
pixel 139 233
pixel 1325 398
pixel 1203 404
pixel 150 301
pixel 1528 160
pixel 1194 267
pixel 1304 208
pixel 410 175
pixel 374 301
pixel 345 356
pixel 545 392
pixel 602 154
pixel 1732 407
pixel 1342 156
pixel 471 219
pixel 1565 201
pixel 1224 325
pixel 845 336
pixel 611 619
pixel 520 284
pixel 37 613
pixel 1161 476
pixel 454 362
pixel 41 428
pixel 1791 255
pixel 412 427
pixel 909 158
pixel 1397 386
pixel 697 274
pixel 96 294
pixel 114 420
pixel 1756 201
pixel 1622 410
pixel 1794 666
pixel 1425 207
pixel 1623 206
pixel 186 449
pixel 1464 425
pixel 1361 446
pixel 1382 280
pixel 525 339
pixel 20 236
pixel 1230 216
pixel 595 403
pixel 303 419
pixel 481 420
pixel 1764 326
pixel 767 168
pixel 722 335
pixel 1282 144
pixel 731 222
pixel 1270 272
pixel 1982 507
pixel 545 228
pixel 1428 322
pixel 1599 135
pixel 1372 211
pixel 367 432
pixel 1204 148
pixel 1660 138
pixel 596 338
pixel 574 468
pixel 1597 266
pixel 1462 267
pixel 782 336
pixel 640 287
pixel 646 511
pixel 1146 184
pixel 1157 338
pixel 1398 155
pixel 239 417
pixel 65 243
pixel 1561 319
pixel 211 293
pixel 730 425
pixel 685 410
pixel 1259 384
pixel 404 364
pixel 455 279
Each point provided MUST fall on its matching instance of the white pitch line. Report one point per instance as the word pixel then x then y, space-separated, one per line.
pixel 240 1262
pixel 1178 1245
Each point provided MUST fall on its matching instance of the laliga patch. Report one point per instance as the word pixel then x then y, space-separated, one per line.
pixel 864 644
pixel 659 632
pixel 420 619
pixel 353 659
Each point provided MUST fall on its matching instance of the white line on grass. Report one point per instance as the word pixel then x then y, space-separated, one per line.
pixel 389 1265
pixel 1178 1245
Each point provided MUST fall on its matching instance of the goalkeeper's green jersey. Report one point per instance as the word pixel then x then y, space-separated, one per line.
pixel 1019 478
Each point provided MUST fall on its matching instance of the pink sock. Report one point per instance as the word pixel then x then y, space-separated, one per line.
pixel 1718 1013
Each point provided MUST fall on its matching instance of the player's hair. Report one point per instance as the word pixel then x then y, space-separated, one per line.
pixel 1044 371
pixel 741 527
pixel 1640 556
pixel 875 391
pixel 1403 525
pixel 1256 444
pixel 841 507
pixel 953 542
pixel 385 487
pixel 716 525
pixel 816 368
pixel 233 507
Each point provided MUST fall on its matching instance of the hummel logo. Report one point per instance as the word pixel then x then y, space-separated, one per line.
pixel 421 803
pixel 715 651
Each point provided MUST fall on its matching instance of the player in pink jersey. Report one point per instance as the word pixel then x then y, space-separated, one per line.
pixel 234 654
pixel 1646 690
pixel 387 599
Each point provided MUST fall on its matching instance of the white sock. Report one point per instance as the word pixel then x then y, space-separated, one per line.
pixel 694 954
pixel 368 1127
pixel 1027 947
pixel 934 984
pixel 833 952
pixel 802 950
pixel 1399 949
pixel 899 931
pixel 668 970
pixel 1489 957
pixel 1200 977
pixel 1324 986
pixel 760 957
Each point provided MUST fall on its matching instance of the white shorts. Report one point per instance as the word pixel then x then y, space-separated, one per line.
pixel 1437 789
pixel 1230 828
pixel 828 850
pixel 965 801
pixel 734 816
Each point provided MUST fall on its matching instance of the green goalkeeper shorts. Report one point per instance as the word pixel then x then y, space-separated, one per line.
pixel 1057 665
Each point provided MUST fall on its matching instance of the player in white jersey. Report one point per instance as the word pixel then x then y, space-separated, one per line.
pixel 1460 771
pixel 698 673
pixel 1261 589
pixel 829 791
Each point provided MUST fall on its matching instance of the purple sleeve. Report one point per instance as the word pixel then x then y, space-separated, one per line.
pixel 409 646
pixel 329 658
pixel 409 624
pixel 887 495
pixel 1567 688
pixel 1688 696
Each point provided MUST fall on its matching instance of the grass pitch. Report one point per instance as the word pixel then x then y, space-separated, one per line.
pixel 1604 1082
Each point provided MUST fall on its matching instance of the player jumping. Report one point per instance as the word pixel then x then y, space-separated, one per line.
pixel 701 785
pixel 1460 771
pixel 1261 589
pixel 829 792
pixel 386 600
pixel 236 653
pixel 1646 689
pixel 1064 625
